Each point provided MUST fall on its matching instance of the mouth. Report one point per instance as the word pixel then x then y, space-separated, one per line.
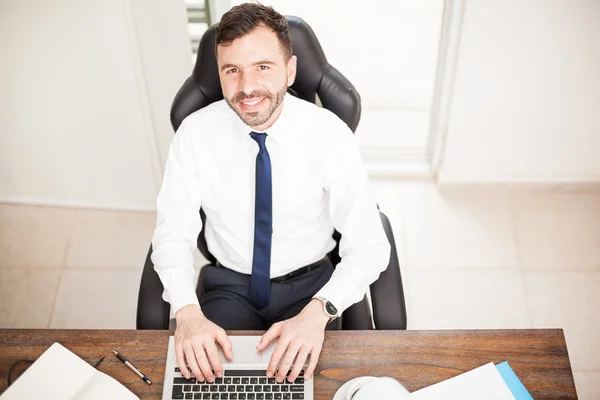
pixel 252 104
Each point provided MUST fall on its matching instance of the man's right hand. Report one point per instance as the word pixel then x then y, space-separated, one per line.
pixel 195 346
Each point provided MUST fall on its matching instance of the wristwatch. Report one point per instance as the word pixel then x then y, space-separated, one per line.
pixel 328 308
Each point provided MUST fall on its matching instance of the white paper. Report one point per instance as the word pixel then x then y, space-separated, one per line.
pixel 482 383
pixel 102 387
pixel 59 374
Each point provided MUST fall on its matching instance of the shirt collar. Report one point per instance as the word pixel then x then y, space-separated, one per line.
pixel 279 131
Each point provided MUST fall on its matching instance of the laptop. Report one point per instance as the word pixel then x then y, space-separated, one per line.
pixel 244 377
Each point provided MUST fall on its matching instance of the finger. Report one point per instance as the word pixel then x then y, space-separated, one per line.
pixel 299 363
pixel 270 335
pixel 203 362
pixel 225 344
pixel 288 360
pixel 181 361
pixel 213 357
pixel 276 357
pixel 314 358
pixel 190 357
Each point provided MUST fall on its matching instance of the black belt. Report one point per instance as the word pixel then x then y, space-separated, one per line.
pixel 293 274
pixel 298 272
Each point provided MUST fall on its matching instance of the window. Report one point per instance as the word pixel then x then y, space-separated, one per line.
pixel 198 22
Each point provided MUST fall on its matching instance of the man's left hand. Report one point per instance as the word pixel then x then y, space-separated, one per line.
pixel 298 337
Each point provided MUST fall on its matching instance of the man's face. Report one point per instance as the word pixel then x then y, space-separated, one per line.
pixel 254 76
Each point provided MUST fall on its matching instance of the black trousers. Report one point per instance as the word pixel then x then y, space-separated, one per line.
pixel 225 297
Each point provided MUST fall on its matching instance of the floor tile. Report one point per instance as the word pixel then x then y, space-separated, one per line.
pixel 106 239
pixel 97 299
pixel 34 236
pixel 587 384
pixel 457 228
pixel 558 230
pixel 571 301
pixel 26 296
pixel 465 298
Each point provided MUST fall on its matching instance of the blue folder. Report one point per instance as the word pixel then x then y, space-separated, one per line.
pixel 513 382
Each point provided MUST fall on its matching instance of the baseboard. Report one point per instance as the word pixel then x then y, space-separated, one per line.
pixel 380 169
pixel 77 204
pixel 379 163
pixel 556 185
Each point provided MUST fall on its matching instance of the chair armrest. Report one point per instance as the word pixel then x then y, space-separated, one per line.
pixel 387 292
pixel 152 311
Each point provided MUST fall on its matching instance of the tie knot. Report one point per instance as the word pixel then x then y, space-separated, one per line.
pixel 259 138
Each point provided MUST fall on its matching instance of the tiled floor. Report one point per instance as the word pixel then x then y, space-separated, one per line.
pixel 471 258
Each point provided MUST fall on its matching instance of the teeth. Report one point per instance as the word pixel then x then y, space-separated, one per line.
pixel 251 103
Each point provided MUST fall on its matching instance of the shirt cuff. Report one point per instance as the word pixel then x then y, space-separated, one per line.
pixel 180 295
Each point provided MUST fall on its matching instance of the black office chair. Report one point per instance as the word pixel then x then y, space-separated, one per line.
pixel 315 77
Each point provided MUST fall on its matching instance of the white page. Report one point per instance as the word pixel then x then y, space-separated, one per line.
pixel 482 383
pixel 59 374
pixel 102 387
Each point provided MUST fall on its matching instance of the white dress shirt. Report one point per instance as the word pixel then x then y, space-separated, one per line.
pixel 319 182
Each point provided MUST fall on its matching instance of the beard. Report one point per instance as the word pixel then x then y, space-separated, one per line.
pixel 257 118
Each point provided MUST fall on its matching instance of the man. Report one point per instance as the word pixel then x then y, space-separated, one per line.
pixel 275 175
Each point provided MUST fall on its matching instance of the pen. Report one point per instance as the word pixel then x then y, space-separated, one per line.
pixel 134 369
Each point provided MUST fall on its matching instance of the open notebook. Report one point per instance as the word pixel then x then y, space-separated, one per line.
pixel 58 374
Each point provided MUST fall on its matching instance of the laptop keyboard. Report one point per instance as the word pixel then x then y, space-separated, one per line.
pixel 239 385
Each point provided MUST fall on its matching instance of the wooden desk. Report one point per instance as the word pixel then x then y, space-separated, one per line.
pixel 416 358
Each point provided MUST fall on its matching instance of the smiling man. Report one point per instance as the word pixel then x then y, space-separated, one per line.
pixel 275 175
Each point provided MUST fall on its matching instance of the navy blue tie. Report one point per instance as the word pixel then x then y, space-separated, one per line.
pixel 260 280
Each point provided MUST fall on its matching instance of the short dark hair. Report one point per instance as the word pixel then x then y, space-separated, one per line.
pixel 242 19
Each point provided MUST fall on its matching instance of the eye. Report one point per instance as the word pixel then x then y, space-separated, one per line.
pixel 231 71
pixel 263 67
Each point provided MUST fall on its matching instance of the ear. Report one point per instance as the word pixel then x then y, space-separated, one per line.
pixel 291 70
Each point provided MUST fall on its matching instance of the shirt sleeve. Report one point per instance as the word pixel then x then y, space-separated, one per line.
pixel 364 248
pixel 178 224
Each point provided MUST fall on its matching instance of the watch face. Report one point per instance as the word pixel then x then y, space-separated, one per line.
pixel 331 310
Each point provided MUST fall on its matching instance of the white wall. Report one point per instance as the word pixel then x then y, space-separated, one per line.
pixel 526 99
pixel 86 90
pixel 164 46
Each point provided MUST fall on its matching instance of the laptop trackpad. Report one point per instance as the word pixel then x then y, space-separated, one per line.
pixel 244 351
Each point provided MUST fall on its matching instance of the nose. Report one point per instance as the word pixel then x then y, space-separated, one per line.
pixel 247 83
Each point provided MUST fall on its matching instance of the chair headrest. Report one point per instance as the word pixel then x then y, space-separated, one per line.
pixel 314 77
